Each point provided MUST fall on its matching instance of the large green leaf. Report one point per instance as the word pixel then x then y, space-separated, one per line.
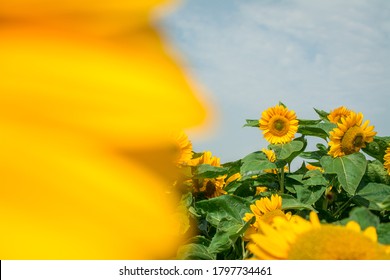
pixel 289 202
pixel 363 217
pixel 314 178
pixel 377 173
pixel 309 195
pixel 228 231
pixel 377 148
pixel 289 150
pixel 374 196
pixel 209 171
pixel 349 169
pixel 225 206
pixel 383 231
pixel 254 164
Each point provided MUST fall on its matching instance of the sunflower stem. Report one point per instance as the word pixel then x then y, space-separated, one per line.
pixel 281 181
pixel 342 207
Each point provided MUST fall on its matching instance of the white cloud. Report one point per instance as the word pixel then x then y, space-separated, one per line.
pixel 252 54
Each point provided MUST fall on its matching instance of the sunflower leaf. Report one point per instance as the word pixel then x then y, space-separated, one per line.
pixel 289 150
pixel 289 202
pixel 383 231
pixel 363 217
pixel 309 195
pixel 225 206
pixel 377 148
pixel 322 114
pixel 252 123
pixel 349 169
pixel 374 196
pixel 209 171
pixel 255 164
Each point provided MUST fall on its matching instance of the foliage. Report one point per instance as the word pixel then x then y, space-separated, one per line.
pixel 352 187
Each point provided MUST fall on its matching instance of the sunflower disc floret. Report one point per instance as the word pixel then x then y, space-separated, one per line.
pixel 350 135
pixel 278 124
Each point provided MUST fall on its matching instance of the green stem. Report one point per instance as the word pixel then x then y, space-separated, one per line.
pixel 342 207
pixel 281 181
pixel 325 204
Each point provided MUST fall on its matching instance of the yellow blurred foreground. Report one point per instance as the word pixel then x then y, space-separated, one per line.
pixel 88 98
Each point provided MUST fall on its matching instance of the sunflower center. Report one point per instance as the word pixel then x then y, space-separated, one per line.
pixel 279 125
pixel 328 243
pixel 353 140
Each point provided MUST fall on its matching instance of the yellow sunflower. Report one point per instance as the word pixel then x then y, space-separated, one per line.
pixel 386 159
pixel 270 154
pixel 350 135
pixel 182 148
pixel 265 210
pixel 206 158
pixel 260 189
pixel 88 94
pixel 338 113
pixel 278 124
pixel 299 239
pixel 313 167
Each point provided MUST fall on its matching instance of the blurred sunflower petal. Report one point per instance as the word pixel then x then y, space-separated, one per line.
pixel 85 122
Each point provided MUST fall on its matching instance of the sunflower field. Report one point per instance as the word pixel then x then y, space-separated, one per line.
pixel 334 206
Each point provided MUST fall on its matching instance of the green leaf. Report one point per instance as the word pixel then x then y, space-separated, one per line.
pixel 314 155
pixel 377 148
pixel 349 169
pixel 254 164
pixel 225 206
pixel 289 150
pixel 376 173
pixel 383 231
pixel 363 217
pixel 309 195
pixel 308 122
pixel 209 171
pixel 252 123
pixel 194 251
pixel 228 231
pixel 289 202
pixel 373 196
pixel 323 115
pixel 314 178
pixel 313 131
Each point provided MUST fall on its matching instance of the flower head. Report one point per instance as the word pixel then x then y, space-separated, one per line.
pixel 278 124
pixel 88 94
pixel 265 209
pixel 300 239
pixel 350 135
pixel 338 113
pixel 182 148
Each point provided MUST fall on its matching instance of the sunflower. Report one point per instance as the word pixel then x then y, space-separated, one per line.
pixel 260 189
pixel 350 135
pixel 270 154
pixel 182 148
pixel 206 158
pixel 265 210
pixel 299 239
pixel 338 113
pixel 313 167
pixel 386 159
pixel 88 94
pixel 279 125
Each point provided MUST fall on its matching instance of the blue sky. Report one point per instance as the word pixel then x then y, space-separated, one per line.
pixel 251 54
